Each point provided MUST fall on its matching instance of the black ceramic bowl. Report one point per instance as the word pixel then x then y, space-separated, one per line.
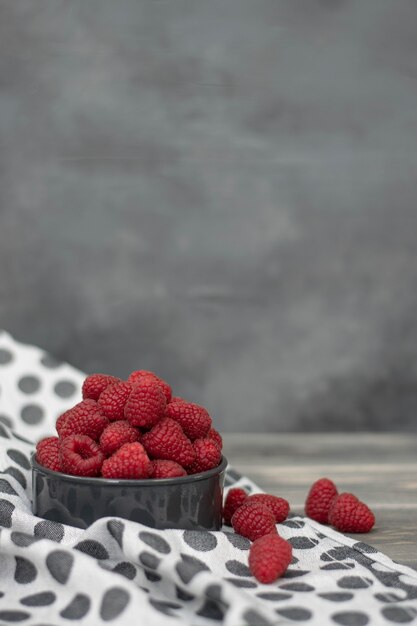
pixel 188 502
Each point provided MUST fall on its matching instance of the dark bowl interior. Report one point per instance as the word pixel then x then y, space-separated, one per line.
pixel 188 502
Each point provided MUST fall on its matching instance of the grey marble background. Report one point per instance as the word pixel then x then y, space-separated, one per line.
pixel 223 191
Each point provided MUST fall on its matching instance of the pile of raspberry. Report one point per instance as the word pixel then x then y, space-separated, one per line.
pixel 256 516
pixel 133 429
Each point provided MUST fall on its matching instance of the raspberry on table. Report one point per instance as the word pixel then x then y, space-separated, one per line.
pixel 85 418
pixel 207 456
pixel 166 440
pixel 130 461
pixel 113 400
pixel 234 499
pixel 193 418
pixel 269 557
pixel 319 500
pixel 146 403
pixel 79 455
pixel 139 375
pixel 47 453
pixel 253 520
pixel 279 506
pixel 163 468
pixel 95 384
pixel 350 515
pixel 216 436
pixel 116 434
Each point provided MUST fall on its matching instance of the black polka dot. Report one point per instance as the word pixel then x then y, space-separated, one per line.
pixel 65 388
pixel 389 597
pixel 354 582
pixel 253 618
pixel 14 616
pixel 44 598
pixel 350 618
pixel 17 474
pixel 303 543
pixel 50 362
pixel 295 613
pixel 125 569
pixel 364 547
pixel 25 571
pixel 5 356
pixel 77 608
pixel 239 582
pixel 5 487
pixel 3 432
pixel 92 548
pixel 6 510
pixel 399 615
pixel 114 602
pixel 214 592
pixel 155 541
pixel 32 414
pixel 295 573
pixel 189 567
pixel 211 610
pixel 183 595
pixel 290 523
pixel 149 560
pixel 274 596
pixel 237 568
pixel 6 420
pixel 19 458
pixel 20 438
pixel 238 541
pixel 336 566
pixel 297 587
pixel 163 606
pixel 59 564
pixel 336 596
pixel 200 540
pixel 23 539
pixel 116 528
pixel 29 384
pixel 49 530
pixel 153 577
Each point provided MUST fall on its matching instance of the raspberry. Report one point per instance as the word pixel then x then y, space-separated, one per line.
pixel 130 461
pixel 166 440
pixel 213 434
pixel 269 558
pixel 208 455
pixel 95 384
pixel 146 404
pixel 79 455
pixel 116 434
pixel 253 520
pixel 235 498
pixel 319 500
pixel 167 469
pixel 47 453
pixel 85 418
pixel 350 515
pixel 113 399
pixel 193 419
pixel 139 375
pixel 279 507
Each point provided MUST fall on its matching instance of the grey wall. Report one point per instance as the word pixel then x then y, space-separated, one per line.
pixel 224 191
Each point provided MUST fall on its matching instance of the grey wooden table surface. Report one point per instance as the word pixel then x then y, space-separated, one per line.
pixel 380 469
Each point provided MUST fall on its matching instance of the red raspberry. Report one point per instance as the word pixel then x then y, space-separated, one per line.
pixel 208 456
pixel 95 384
pixel 167 469
pixel 350 515
pixel 269 558
pixel 217 438
pixel 166 440
pixel 85 418
pixel 279 507
pixel 113 399
pixel 319 500
pixel 193 419
pixel 116 434
pixel 47 453
pixel 146 404
pixel 79 455
pixel 177 399
pixel 235 498
pixel 139 375
pixel 253 520
pixel 130 461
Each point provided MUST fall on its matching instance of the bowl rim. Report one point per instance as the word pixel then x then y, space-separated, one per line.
pixel 125 482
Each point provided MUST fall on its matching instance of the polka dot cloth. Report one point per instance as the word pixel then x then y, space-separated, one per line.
pixel 120 572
